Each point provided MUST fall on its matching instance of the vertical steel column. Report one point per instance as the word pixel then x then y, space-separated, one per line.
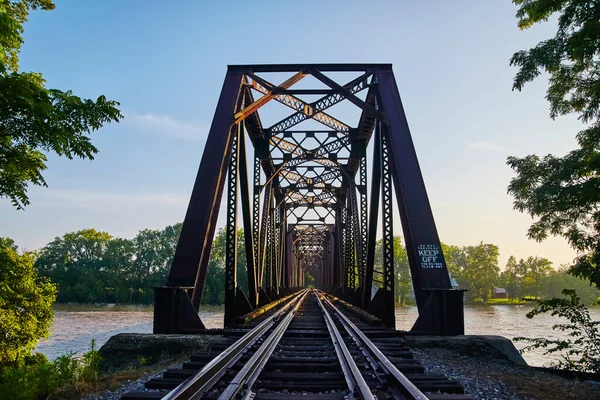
pixel 388 233
pixel 249 235
pixel 363 218
pixel 373 214
pixel 267 284
pixel 282 249
pixel 427 263
pixel 350 259
pixel 264 229
pixel 357 243
pixel 231 233
pixel 256 218
pixel 195 242
pixel 337 258
pixel 277 249
pixel 345 250
pixel 332 258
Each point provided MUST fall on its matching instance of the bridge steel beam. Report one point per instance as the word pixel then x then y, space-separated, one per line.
pixel 310 219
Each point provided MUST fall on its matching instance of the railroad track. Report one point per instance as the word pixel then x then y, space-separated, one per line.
pixel 310 349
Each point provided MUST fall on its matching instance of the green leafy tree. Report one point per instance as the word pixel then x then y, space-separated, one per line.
pixel 456 261
pixel 526 277
pixel 475 268
pixel 25 304
pixel 119 257
pixel 563 192
pixel 35 120
pixel 556 281
pixel 76 263
pixel 511 279
pixel 482 270
pixel 536 271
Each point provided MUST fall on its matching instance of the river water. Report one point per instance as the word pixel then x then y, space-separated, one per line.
pixel 75 326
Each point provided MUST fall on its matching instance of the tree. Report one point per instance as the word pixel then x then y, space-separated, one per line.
pixel 556 281
pixel 536 270
pixel 25 303
pixel 456 261
pixel 35 120
pixel 510 278
pixel 76 263
pixel 92 266
pixel 482 269
pixel 563 193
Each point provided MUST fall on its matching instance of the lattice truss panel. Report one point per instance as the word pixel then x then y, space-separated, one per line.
pixel 287 155
pixel 315 146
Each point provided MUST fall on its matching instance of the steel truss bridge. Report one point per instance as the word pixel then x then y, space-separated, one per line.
pixel 312 189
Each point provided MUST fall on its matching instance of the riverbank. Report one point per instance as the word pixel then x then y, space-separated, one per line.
pixel 485 378
pixel 76 325
pixel 488 367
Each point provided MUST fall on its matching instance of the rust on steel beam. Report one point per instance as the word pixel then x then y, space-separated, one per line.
pixel 305 109
pixel 267 97
pixel 322 104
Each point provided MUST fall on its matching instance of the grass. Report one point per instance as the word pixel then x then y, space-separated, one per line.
pixel 506 301
pixel 69 377
pixel 113 380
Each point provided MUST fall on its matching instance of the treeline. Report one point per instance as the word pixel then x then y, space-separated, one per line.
pixel 477 269
pixel 93 267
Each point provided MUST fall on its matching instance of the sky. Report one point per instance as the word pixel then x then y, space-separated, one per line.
pixel 165 63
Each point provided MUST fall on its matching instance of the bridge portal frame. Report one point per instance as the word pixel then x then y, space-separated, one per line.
pixel 278 253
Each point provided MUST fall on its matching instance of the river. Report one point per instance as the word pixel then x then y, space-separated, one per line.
pixel 76 325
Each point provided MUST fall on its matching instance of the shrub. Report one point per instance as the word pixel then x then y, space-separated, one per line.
pixel 35 377
pixel 25 304
pixel 581 351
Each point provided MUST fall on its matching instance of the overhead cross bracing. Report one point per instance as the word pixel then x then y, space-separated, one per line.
pixel 288 145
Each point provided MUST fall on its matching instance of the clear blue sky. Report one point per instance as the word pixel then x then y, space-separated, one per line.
pixel 165 63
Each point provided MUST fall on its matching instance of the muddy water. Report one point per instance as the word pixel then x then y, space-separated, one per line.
pixel 76 326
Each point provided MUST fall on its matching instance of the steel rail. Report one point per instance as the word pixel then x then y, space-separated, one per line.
pixel 401 382
pixel 246 377
pixel 195 386
pixel 354 378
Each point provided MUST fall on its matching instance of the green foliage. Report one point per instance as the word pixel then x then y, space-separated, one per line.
pixel 35 120
pixel 475 268
pixel 526 277
pixel 563 193
pixel 90 364
pixel 556 281
pixel 13 14
pixel 25 304
pixel 91 266
pixel 37 378
pixel 581 350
